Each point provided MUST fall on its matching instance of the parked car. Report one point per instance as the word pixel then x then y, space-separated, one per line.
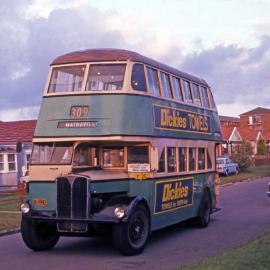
pixel 226 166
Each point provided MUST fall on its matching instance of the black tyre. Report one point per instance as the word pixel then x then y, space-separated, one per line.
pixel 131 237
pixel 202 220
pixel 39 236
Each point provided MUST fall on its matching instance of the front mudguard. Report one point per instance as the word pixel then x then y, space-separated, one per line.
pixel 127 203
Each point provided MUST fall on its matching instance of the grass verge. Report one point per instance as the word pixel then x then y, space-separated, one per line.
pixel 12 219
pixel 249 173
pixel 250 256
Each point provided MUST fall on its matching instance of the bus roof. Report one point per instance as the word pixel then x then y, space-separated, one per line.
pixel 101 55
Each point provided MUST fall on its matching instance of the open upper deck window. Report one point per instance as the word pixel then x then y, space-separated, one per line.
pixel 187 90
pixel 105 77
pixel 166 85
pixel 138 78
pixel 205 99
pixel 67 79
pixel 177 89
pixel 153 83
pixel 196 94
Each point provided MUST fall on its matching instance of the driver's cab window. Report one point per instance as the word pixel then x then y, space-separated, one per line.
pixel 86 155
pixel 113 157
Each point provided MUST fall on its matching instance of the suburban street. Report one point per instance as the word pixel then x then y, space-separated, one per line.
pixel 245 214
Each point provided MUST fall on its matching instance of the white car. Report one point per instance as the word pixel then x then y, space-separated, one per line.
pixel 226 166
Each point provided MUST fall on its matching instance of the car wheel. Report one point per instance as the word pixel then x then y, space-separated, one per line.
pixel 203 218
pixel 130 238
pixel 39 236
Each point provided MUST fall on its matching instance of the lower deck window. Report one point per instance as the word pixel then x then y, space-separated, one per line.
pixel 201 158
pixel 192 158
pixel 171 159
pixel 161 163
pixel 182 153
pixel 138 154
pixel 113 157
pixel 86 155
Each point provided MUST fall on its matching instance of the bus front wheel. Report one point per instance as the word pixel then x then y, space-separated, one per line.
pixel 39 236
pixel 131 237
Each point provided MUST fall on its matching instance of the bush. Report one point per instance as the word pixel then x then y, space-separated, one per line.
pixel 261 147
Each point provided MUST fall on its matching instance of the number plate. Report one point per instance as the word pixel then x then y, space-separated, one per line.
pixel 40 202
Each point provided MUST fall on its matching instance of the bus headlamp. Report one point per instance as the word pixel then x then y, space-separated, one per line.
pixel 119 212
pixel 25 208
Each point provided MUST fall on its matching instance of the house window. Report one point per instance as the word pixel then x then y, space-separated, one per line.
pixel 28 160
pixel 2 162
pixel 11 162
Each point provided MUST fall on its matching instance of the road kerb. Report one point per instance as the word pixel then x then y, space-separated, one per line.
pixel 8 232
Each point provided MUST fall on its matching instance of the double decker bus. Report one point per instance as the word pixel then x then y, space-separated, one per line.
pixel 124 145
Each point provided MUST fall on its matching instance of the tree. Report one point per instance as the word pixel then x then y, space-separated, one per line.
pixel 261 147
pixel 243 155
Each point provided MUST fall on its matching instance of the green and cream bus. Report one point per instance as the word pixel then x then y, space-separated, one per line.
pixel 124 145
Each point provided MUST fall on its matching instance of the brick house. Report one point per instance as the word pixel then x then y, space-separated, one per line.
pixel 231 138
pixel 255 124
pixel 15 149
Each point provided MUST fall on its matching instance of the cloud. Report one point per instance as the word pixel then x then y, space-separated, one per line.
pixel 237 75
pixel 30 45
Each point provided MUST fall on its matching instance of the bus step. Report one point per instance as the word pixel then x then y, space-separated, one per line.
pixel 216 210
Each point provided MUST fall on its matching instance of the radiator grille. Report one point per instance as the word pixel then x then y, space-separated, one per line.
pixel 73 202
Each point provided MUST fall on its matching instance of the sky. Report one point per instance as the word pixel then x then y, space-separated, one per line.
pixel 225 42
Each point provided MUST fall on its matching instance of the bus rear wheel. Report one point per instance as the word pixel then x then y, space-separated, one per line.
pixel 203 219
pixel 39 236
pixel 130 238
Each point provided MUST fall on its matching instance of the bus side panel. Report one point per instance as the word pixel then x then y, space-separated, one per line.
pixel 168 211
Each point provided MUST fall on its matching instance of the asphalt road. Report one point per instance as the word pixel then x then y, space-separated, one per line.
pixel 245 214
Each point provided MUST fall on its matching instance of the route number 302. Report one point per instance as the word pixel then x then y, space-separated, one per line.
pixel 79 111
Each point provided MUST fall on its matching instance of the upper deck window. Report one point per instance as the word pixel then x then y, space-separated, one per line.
pixel 177 89
pixel 138 78
pixel 105 77
pixel 167 89
pixel 205 99
pixel 153 83
pixel 196 94
pixel 187 90
pixel 212 102
pixel 66 79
